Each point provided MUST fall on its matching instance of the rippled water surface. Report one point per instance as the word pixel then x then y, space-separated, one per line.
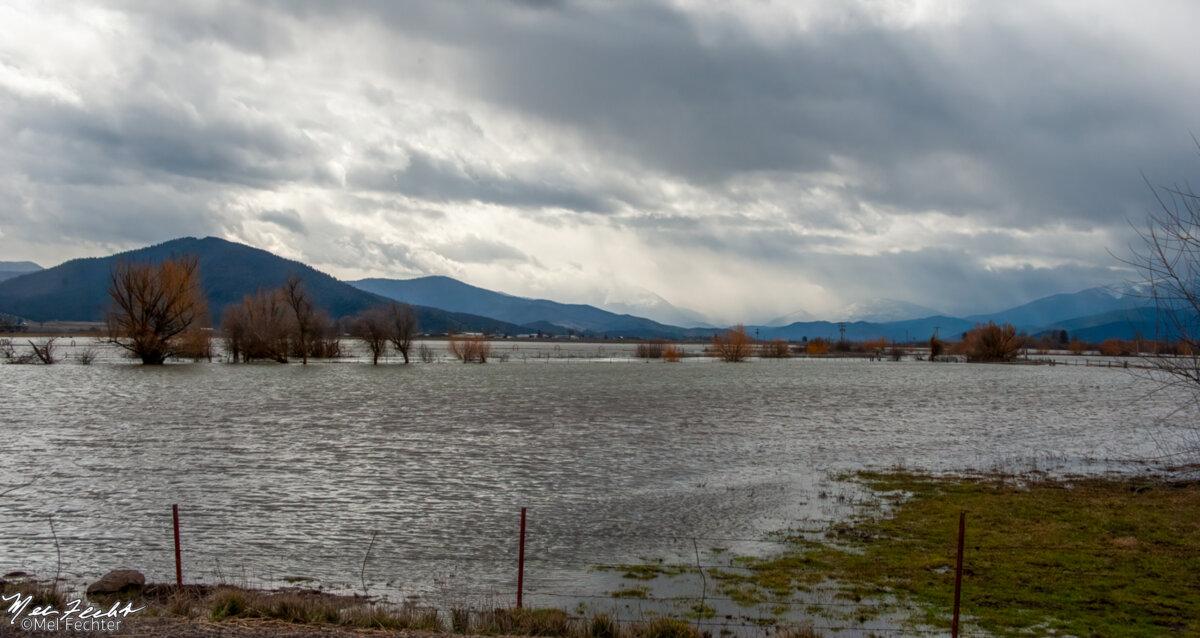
pixel 285 472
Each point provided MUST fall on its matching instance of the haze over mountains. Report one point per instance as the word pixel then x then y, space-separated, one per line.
pixel 76 291
pixel 10 269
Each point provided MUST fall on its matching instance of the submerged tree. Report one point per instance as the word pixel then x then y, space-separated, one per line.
pixel 403 325
pixel 258 328
pixel 304 315
pixel 373 327
pixel 153 305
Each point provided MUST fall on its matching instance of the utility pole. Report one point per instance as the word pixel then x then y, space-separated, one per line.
pixel 842 331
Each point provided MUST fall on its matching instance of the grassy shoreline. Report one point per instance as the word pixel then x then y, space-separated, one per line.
pixel 1107 556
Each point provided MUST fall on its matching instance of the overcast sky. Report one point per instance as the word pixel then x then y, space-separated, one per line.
pixel 743 159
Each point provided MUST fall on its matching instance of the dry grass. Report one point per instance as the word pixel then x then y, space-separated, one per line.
pixel 41 594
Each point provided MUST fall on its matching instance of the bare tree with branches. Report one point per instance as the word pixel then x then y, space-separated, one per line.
pixel 403 327
pixel 303 314
pixel 153 304
pixel 1167 260
pixel 258 328
pixel 374 328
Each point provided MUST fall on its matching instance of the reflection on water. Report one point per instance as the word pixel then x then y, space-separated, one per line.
pixel 284 472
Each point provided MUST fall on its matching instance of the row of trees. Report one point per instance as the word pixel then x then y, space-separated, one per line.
pixel 159 311
pixel 393 325
pixel 275 325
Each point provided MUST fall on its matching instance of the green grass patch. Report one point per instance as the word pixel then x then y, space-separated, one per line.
pixel 1086 557
pixel 648 570
pixel 639 591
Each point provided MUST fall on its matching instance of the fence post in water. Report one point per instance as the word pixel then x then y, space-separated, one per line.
pixel 962 532
pixel 178 559
pixel 521 562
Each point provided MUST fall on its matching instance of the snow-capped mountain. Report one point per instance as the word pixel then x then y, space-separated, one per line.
pixel 644 303
pixel 882 310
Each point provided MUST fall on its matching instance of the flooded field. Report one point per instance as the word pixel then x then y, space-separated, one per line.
pixel 284 473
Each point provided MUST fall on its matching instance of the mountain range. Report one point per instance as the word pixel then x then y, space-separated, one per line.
pixel 76 290
pixel 10 269
pixel 551 316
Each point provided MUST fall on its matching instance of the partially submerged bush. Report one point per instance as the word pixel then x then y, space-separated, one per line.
pixel 672 354
pixel 650 350
pixel 733 345
pixel 816 347
pixel 426 354
pixel 470 348
pixel 992 343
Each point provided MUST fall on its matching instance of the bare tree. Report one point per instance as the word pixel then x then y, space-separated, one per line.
pixel 403 327
pixel 373 327
pixel 153 304
pixel 1167 260
pixel 303 314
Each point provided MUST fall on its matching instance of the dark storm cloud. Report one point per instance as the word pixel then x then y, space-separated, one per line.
pixel 870 148
pixel 438 180
pixel 480 250
pixel 1025 122
pixel 286 219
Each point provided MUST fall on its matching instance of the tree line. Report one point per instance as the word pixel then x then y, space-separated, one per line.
pixel 159 312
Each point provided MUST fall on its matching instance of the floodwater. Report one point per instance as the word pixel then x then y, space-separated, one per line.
pixel 287 473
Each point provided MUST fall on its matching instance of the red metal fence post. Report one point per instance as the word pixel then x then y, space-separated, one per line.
pixel 521 562
pixel 962 533
pixel 178 558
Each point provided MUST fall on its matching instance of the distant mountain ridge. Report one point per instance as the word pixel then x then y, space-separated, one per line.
pixel 451 294
pixel 77 290
pixel 1062 307
pixel 10 269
